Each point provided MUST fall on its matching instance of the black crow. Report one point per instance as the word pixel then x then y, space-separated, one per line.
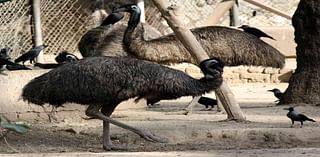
pixel 255 31
pixel 6 64
pixel 30 55
pixel 277 93
pixel 62 58
pixel 206 101
pixel 296 116
pixel 4 53
pixel 66 57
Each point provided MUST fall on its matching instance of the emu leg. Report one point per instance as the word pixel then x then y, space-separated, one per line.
pixel 107 143
pixel 191 105
pixel 93 111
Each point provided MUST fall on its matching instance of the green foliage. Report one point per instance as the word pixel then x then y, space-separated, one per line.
pixel 18 127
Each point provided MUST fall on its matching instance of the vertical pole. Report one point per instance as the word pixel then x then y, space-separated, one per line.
pixel 141 6
pixel 37 27
pixel 234 15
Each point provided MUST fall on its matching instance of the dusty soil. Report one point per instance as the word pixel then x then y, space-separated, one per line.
pixel 267 128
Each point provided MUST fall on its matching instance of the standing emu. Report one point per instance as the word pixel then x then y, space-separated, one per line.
pixel 232 46
pixel 104 82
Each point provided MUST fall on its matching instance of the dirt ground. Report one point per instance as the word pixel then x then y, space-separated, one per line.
pixel 267 130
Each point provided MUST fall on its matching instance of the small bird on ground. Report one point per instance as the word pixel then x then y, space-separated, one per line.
pixel 30 55
pixel 6 64
pixel 66 57
pixel 62 58
pixel 277 93
pixel 206 101
pixel 296 116
pixel 255 31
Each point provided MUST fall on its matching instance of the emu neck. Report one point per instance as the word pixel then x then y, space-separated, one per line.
pixel 132 24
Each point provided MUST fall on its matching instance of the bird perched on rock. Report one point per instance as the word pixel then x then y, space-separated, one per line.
pixel 277 93
pixel 30 55
pixel 296 116
pixel 255 31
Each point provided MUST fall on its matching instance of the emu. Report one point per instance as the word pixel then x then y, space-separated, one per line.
pixel 91 43
pixel 104 82
pixel 232 46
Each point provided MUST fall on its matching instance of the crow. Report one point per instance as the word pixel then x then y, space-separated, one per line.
pixel 206 101
pixel 66 57
pixel 296 116
pixel 30 55
pixel 6 64
pixel 255 31
pixel 277 93
pixel 62 58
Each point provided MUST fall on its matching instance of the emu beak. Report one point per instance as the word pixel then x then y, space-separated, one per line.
pixel 285 108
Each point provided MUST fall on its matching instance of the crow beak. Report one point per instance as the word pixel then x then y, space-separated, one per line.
pixel 285 108
pixel 270 90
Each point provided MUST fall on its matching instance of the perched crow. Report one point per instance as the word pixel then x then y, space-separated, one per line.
pixel 296 116
pixel 255 31
pixel 66 57
pixel 30 55
pixel 277 93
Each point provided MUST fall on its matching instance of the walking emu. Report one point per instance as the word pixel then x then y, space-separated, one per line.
pixel 104 82
pixel 232 46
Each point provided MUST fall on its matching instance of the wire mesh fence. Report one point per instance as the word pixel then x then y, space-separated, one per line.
pixel 65 21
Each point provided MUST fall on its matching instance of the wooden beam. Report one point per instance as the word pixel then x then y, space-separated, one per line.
pixel 193 46
pixel 140 4
pixel 269 8
pixel 219 11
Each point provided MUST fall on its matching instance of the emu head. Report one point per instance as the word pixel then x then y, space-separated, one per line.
pixel 212 67
pixel 112 18
pixel 134 11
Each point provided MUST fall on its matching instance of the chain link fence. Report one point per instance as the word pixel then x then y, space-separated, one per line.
pixel 65 21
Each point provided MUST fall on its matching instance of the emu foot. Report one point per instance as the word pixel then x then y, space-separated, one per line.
pixel 149 137
pixel 113 148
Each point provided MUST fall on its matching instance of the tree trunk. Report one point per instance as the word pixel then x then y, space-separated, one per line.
pixel 193 46
pixel 304 85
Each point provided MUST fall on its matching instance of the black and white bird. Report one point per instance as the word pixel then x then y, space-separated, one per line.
pixel 296 116
pixel 66 57
pixel 30 55
pixel 62 58
pixel 255 31
pixel 277 93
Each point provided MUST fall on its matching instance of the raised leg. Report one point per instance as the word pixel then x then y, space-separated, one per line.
pixel 93 111
pixel 301 124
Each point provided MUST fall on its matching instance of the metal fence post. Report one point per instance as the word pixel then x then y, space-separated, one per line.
pixel 37 27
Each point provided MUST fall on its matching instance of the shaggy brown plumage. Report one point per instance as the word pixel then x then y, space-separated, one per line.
pixel 104 82
pixel 232 46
